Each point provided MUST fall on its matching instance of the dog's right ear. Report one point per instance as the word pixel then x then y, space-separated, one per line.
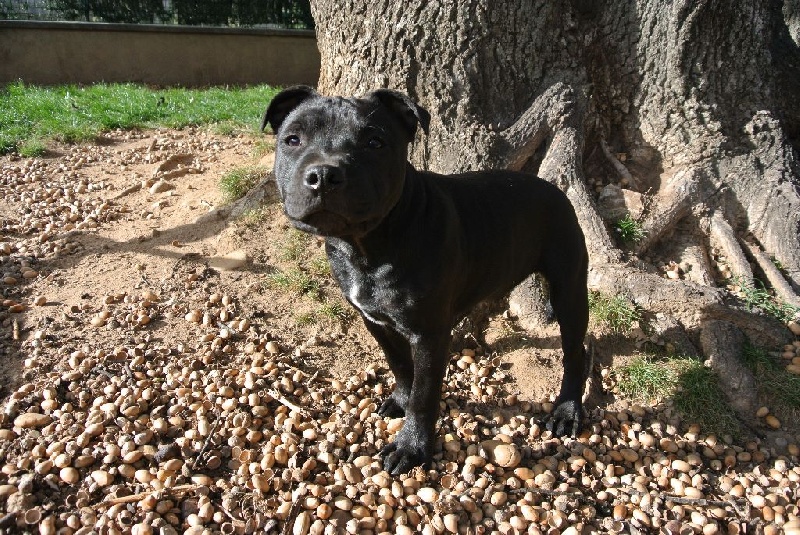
pixel 283 103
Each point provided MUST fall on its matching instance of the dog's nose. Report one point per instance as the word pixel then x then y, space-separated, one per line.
pixel 321 177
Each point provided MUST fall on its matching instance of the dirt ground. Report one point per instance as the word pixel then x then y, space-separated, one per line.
pixel 149 237
pixel 112 253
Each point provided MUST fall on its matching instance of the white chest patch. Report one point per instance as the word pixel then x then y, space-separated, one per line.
pixel 354 298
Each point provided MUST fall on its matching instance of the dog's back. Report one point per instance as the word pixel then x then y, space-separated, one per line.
pixel 511 225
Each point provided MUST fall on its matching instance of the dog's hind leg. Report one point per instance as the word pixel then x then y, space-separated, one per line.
pixel 570 300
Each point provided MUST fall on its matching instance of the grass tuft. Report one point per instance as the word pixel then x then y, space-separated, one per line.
pixel 645 380
pixel 305 318
pixel 297 281
pixel 263 147
pixel 629 230
pixel 335 311
pixel 236 183
pixel 294 245
pixel 81 113
pixel 32 148
pixel 694 389
pixel 256 216
pixel 701 399
pixel 613 312
pixel 756 296
pixel 772 378
pixel 319 266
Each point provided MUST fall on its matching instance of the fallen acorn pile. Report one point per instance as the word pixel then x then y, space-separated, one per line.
pixel 120 429
pixel 231 437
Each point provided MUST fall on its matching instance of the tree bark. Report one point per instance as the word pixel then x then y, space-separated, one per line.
pixel 699 99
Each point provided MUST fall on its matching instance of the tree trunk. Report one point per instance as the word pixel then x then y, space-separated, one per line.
pixel 694 103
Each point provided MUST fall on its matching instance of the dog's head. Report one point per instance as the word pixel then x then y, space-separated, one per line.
pixel 340 163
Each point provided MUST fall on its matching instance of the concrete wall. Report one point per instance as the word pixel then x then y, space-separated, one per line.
pixel 64 52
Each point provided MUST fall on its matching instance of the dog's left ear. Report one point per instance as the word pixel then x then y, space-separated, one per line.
pixel 409 112
pixel 283 103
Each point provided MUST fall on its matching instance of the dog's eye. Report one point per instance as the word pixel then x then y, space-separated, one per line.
pixel 375 143
pixel 293 141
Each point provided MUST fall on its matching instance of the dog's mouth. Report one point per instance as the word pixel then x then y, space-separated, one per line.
pixel 328 217
pixel 323 223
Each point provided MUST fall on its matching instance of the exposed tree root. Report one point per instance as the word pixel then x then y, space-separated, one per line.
pixel 672 204
pixel 257 197
pixel 773 274
pixel 528 302
pixel 691 316
pixel 694 252
pixel 722 343
pixel 723 236
pixel 688 303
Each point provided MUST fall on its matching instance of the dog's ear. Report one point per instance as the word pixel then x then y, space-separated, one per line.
pixel 283 103
pixel 409 112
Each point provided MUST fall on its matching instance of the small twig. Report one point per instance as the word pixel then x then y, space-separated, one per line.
pixel 583 498
pixel 128 370
pixel 288 526
pixel 285 402
pixel 702 502
pixel 552 493
pixel 188 487
pixel 127 191
pixel 205 444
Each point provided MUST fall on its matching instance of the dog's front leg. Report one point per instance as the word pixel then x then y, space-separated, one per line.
pixel 401 362
pixel 413 445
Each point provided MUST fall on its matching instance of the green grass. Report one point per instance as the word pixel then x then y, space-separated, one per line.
pixel 694 389
pixel 31 148
pixel 77 113
pixel 303 273
pixel 613 312
pixel 294 246
pixel 330 311
pixel 756 296
pixel 645 380
pixel 296 280
pixel 335 311
pixel 255 217
pixel 701 399
pixel 305 318
pixel 629 230
pixel 772 378
pixel 319 266
pixel 263 147
pixel 239 181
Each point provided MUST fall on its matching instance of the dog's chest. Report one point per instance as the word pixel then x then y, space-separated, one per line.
pixel 372 289
pixel 372 294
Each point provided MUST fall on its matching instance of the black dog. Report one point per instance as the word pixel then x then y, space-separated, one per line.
pixel 415 251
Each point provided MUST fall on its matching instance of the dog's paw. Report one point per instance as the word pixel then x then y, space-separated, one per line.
pixel 565 420
pixel 391 408
pixel 399 458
